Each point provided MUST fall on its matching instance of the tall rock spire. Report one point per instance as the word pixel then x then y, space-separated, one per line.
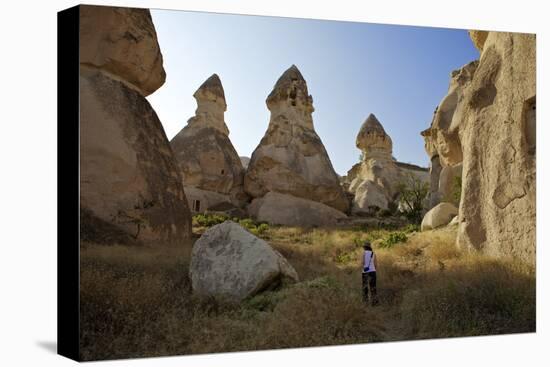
pixel 290 98
pixel 206 157
pixel 291 158
pixel 211 106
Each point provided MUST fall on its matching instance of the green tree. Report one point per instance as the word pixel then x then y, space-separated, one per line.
pixel 411 195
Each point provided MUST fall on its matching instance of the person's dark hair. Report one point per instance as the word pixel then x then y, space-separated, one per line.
pixel 367 246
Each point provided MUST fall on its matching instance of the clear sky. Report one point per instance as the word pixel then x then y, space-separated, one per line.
pixel 399 73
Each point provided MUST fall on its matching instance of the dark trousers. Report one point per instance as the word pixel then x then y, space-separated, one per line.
pixel 369 288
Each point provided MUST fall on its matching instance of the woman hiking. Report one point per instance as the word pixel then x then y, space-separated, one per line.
pixel 370 264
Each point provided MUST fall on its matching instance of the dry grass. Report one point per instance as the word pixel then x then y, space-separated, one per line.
pixel 137 301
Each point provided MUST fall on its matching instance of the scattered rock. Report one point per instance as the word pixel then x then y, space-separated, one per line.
pixel 230 264
pixel 289 210
pixel 438 216
pixel 291 159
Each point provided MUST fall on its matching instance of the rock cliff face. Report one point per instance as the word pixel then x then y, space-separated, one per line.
pixel 129 180
pixel 291 158
pixel 206 157
pixel 492 133
pixel 375 179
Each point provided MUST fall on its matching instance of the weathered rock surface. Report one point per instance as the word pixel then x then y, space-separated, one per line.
pixel 375 180
pixel 289 210
pixel 438 216
pixel 488 123
pixel 478 38
pixel 123 43
pixel 205 155
pixel 230 264
pixel 291 158
pixel 128 175
pixel 497 131
pixel 129 183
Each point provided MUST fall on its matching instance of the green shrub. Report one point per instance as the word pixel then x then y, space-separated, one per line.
pixel 393 238
pixel 410 228
pixel 209 220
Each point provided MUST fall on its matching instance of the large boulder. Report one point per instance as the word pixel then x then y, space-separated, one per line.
pixel 438 216
pixel 497 119
pixel 205 155
pixel 289 210
pixel 369 197
pixel 291 158
pixel 123 43
pixel 228 263
pixel 129 180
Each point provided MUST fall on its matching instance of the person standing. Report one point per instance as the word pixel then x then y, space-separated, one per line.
pixel 369 274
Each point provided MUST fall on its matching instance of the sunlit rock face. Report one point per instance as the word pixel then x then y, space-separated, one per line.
pixel 376 178
pixel 206 157
pixel 129 182
pixel 487 123
pixel 291 158
pixel 122 42
pixel 497 130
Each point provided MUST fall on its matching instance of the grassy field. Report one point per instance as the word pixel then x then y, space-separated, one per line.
pixel 137 301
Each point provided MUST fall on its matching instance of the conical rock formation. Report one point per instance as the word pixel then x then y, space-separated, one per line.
pixel 374 181
pixel 291 158
pixel 210 167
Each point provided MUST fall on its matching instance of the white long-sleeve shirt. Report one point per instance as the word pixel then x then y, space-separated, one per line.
pixel 366 259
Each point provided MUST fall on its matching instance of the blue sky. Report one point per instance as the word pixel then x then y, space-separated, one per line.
pixel 399 73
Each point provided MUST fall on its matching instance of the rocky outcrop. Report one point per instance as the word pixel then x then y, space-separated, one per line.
pixel 478 38
pixel 122 42
pixel 228 263
pixel 375 180
pixel 492 133
pixel 442 140
pixel 438 216
pixel 275 208
pixel 129 180
pixel 291 158
pixel 206 157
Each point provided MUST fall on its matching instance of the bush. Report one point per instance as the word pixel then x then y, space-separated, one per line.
pixel 410 228
pixel 392 239
pixel 209 220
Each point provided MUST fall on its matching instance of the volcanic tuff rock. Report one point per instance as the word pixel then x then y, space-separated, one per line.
pixel 438 216
pixel 206 157
pixel 291 158
pixel 282 209
pixel 123 43
pixel 442 141
pixel 375 179
pixel 128 176
pixel 495 122
pixel 229 263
